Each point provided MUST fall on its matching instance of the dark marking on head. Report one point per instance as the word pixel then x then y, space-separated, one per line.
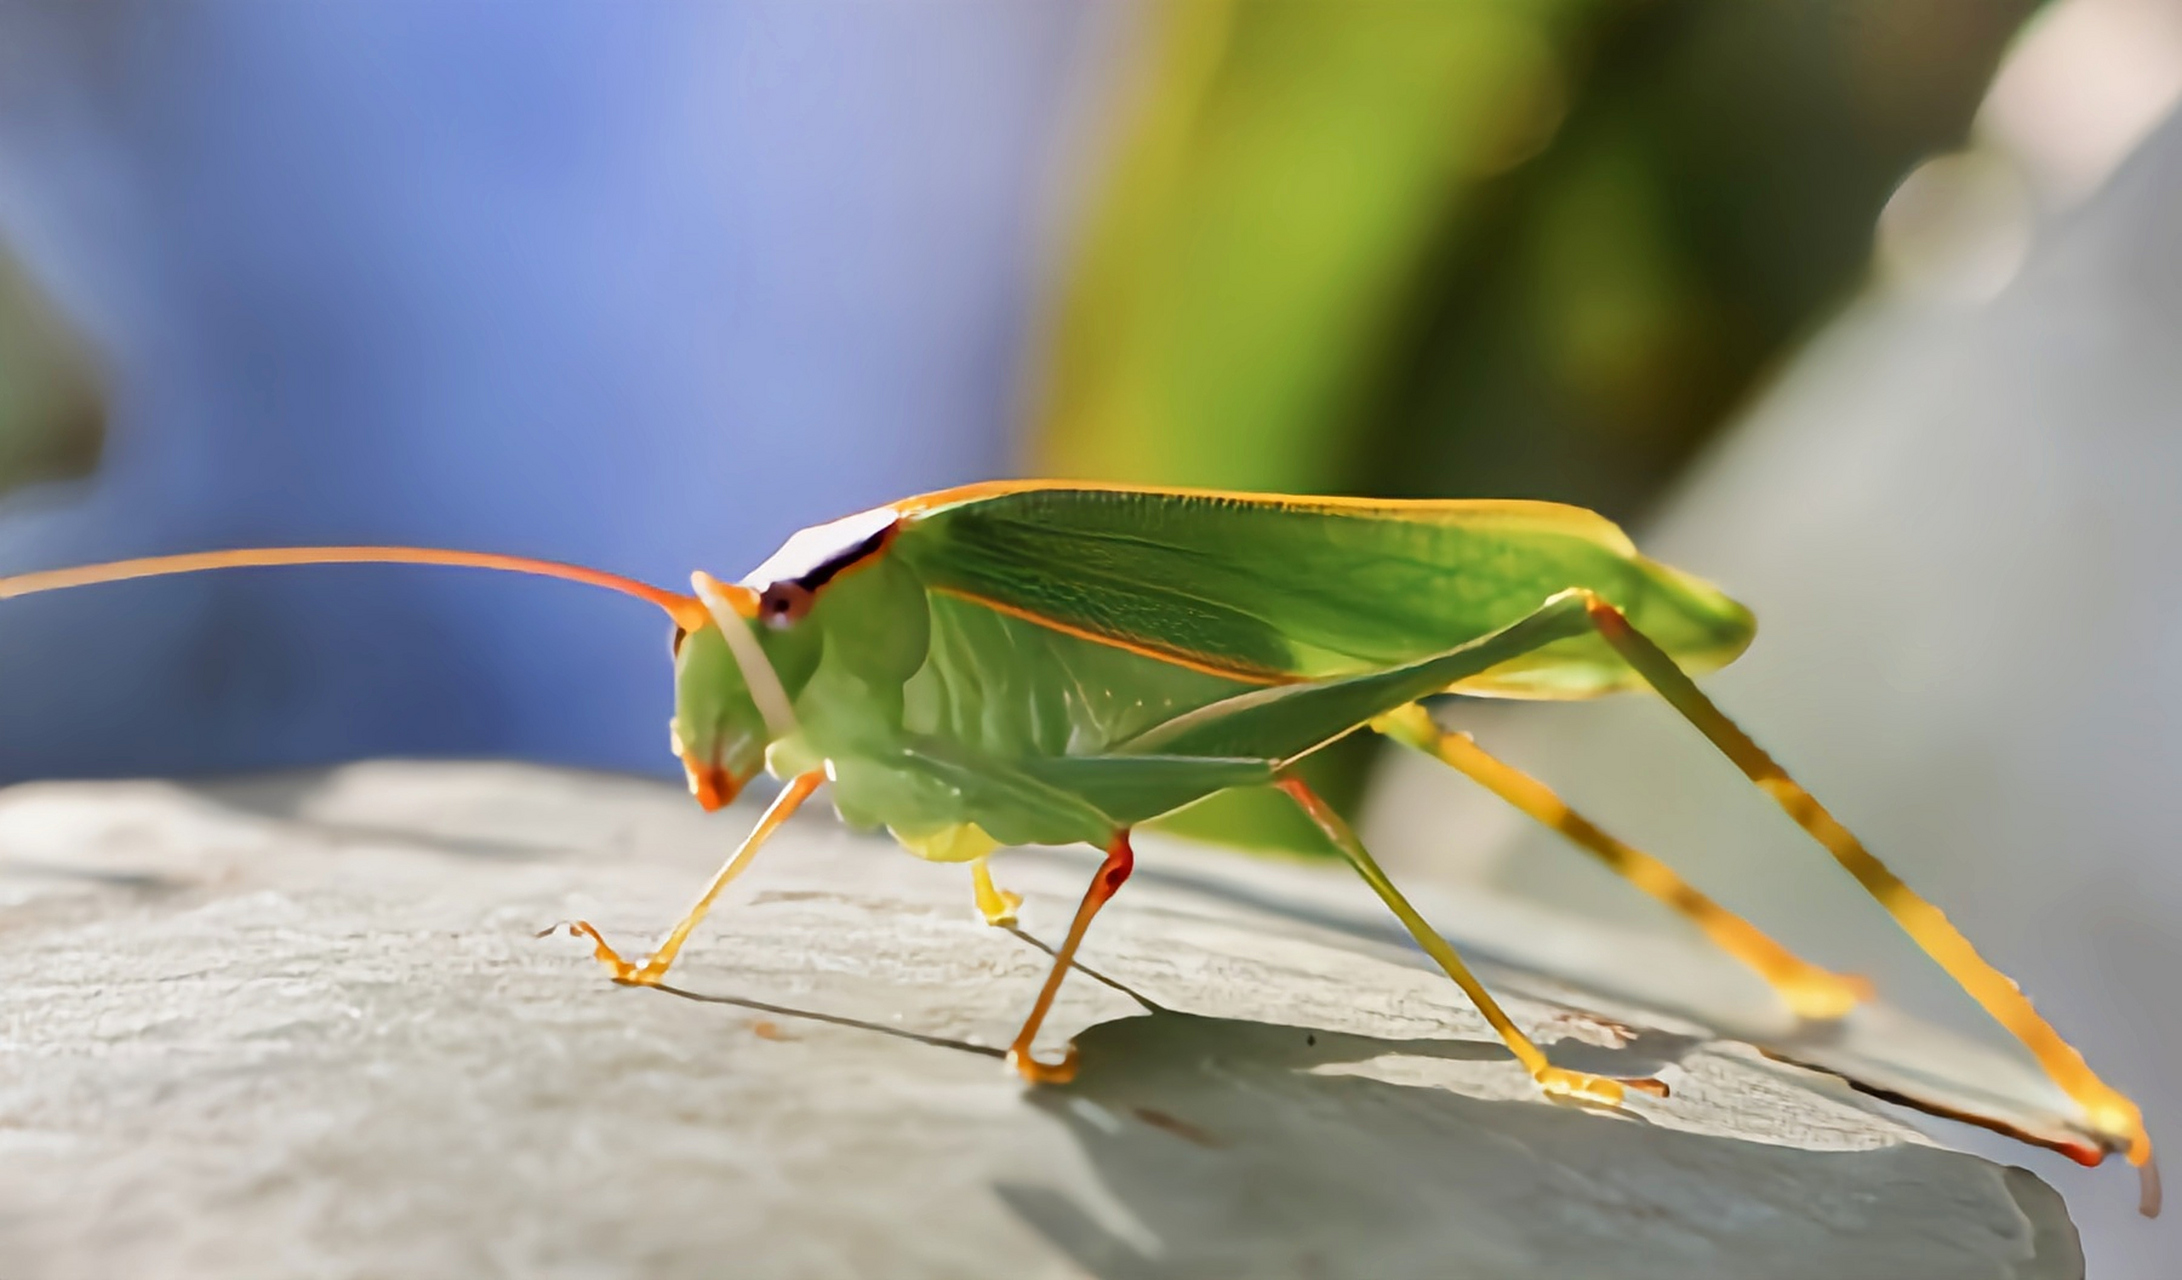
pixel 783 601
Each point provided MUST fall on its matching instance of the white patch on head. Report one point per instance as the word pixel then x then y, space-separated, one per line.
pixel 807 549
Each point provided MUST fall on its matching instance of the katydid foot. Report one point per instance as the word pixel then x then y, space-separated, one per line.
pixel 647 974
pixel 1579 1086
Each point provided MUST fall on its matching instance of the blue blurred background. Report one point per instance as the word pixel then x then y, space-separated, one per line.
pixel 642 287
pixel 650 288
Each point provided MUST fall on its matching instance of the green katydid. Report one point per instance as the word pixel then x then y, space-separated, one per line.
pixel 1049 663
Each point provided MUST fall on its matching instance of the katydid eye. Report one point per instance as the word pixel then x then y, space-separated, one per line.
pixel 784 603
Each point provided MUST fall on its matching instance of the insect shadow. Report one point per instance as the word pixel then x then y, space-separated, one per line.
pixel 1224 1147
pixel 1235 1148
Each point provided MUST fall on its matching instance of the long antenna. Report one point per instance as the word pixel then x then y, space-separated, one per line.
pixel 688 612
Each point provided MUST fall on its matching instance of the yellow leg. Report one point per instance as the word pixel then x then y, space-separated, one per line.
pixel 2113 1116
pixel 1554 1080
pixel 1811 992
pixel 995 904
pixel 1120 860
pixel 652 970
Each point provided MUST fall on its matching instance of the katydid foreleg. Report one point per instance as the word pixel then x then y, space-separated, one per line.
pixel 654 969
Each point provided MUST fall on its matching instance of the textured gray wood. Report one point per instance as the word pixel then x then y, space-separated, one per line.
pixel 303 1026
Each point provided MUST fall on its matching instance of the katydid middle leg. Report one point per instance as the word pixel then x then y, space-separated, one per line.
pixel 1808 990
pixel 1120 861
pixel 1554 1080
pixel 996 904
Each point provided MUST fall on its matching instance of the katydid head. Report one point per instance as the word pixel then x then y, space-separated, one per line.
pixel 729 703
pixel 717 730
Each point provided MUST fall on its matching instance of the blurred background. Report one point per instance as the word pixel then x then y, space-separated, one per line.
pixel 1868 309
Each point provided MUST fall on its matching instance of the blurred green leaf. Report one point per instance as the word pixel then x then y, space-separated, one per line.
pixel 52 413
pixel 1478 249
pixel 1289 163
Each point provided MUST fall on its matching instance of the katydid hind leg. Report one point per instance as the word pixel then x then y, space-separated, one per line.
pixel 654 969
pixel 1111 875
pixel 2114 1117
pixel 1809 991
pixel 1558 1081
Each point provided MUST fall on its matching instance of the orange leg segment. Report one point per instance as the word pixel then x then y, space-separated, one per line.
pixel 1112 874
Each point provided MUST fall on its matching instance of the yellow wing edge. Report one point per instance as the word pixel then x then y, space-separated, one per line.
pixel 1573 520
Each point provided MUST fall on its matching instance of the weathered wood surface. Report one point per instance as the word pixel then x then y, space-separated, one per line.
pixel 303 1026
